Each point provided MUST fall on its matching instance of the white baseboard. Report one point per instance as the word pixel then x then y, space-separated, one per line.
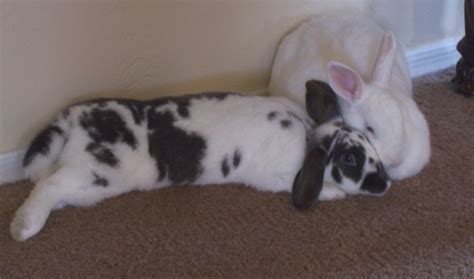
pixel 11 169
pixel 421 60
pixel 432 57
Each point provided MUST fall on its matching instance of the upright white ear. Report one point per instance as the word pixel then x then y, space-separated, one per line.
pixel 384 63
pixel 345 81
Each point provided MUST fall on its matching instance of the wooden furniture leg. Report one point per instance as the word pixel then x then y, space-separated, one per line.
pixel 464 78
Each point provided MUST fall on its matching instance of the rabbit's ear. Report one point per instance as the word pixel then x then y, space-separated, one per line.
pixel 321 101
pixel 308 182
pixel 345 81
pixel 384 63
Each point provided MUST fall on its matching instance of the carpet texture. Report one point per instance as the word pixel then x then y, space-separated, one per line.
pixel 423 227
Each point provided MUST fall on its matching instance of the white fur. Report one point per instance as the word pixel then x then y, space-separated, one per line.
pixel 271 155
pixel 354 52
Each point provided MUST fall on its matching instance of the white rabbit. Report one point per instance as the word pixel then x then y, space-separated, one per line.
pixel 103 148
pixel 366 68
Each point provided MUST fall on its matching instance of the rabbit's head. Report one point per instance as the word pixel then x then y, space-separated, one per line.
pixel 336 154
pixel 370 106
pixel 353 164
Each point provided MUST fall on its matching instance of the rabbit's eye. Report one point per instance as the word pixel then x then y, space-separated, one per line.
pixel 349 159
pixel 369 129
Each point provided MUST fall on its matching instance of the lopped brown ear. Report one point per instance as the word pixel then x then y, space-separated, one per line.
pixel 308 182
pixel 321 101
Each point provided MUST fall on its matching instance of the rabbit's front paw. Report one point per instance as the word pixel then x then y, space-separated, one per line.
pixel 331 192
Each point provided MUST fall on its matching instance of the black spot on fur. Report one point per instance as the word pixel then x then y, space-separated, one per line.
pixel 272 115
pixel 66 112
pixel 100 181
pixel 358 145
pixel 336 175
pixel 360 136
pixel 237 158
pixel 105 125
pixel 102 104
pixel 41 143
pixel 102 154
pixel 184 102
pixel 376 182
pixel 353 172
pixel 285 123
pixel 183 109
pixel 216 95
pixel 185 99
pixel 177 153
pixel 136 109
pixel 346 129
pixel 293 115
pixel 225 167
pixel 326 142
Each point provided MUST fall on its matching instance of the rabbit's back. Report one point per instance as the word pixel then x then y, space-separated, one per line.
pixel 195 139
pixel 257 141
pixel 305 52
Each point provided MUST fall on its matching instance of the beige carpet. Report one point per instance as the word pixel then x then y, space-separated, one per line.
pixel 423 227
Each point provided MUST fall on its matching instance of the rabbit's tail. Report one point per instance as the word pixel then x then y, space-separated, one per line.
pixel 46 147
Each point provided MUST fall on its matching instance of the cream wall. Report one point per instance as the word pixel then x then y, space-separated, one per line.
pixel 56 52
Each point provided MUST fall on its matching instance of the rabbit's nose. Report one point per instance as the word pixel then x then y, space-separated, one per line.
pixel 376 183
